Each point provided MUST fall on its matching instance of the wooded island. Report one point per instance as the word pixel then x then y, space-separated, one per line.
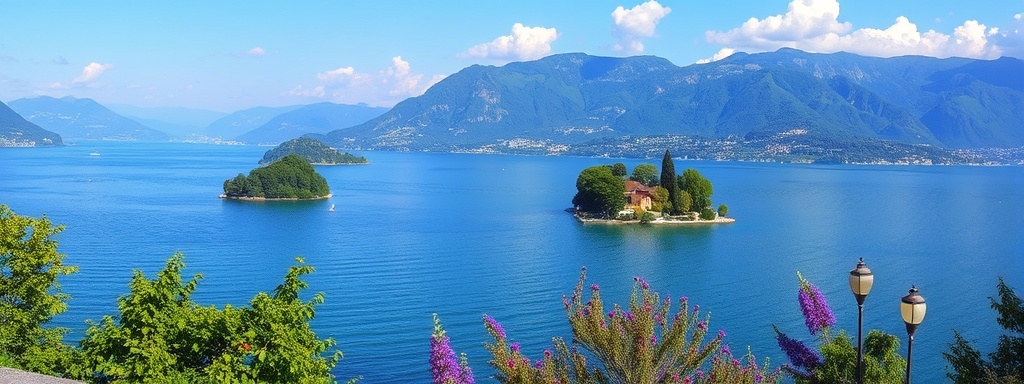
pixel 290 178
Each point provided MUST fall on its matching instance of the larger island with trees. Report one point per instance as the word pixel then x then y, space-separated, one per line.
pixel 290 178
pixel 313 150
pixel 605 195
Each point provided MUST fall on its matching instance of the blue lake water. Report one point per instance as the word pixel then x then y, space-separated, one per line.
pixel 463 235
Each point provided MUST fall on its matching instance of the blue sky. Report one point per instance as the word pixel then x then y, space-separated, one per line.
pixel 227 56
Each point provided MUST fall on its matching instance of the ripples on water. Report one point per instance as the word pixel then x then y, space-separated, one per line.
pixel 463 235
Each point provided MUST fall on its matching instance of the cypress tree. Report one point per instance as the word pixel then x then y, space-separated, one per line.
pixel 668 180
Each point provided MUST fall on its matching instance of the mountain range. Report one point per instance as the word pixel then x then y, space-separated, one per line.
pixel 15 131
pixel 235 124
pixel 76 119
pixel 177 122
pixel 313 118
pixel 577 99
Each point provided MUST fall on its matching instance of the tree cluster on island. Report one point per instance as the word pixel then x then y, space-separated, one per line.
pixel 291 177
pixel 313 150
pixel 600 192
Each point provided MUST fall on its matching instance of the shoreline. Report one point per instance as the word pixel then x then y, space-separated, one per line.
pixel 657 221
pixel 242 198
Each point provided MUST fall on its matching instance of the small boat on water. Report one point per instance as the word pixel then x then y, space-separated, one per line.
pixel 332 208
pixel 94 153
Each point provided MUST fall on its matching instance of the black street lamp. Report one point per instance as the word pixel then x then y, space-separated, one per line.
pixel 861 281
pixel 912 308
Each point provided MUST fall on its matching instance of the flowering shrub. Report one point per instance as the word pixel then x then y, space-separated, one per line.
pixel 837 360
pixel 645 343
pixel 444 367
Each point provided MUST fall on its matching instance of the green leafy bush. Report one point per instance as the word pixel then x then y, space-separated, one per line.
pixel 707 214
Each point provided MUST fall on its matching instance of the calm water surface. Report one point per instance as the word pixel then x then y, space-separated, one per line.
pixel 463 235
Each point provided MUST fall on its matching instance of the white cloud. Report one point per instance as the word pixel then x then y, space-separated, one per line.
pixel 91 72
pixel 814 26
pixel 721 54
pixel 386 87
pixel 337 75
pixel 634 24
pixel 256 51
pixel 525 43
pixel 1010 40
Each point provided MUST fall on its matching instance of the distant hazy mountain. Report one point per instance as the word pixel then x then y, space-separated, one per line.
pixel 576 98
pixel 83 119
pixel 15 131
pixel 175 121
pixel 313 118
pixel 231 126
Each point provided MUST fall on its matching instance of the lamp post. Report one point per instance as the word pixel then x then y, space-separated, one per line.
pixel 861 281
pixel 912 308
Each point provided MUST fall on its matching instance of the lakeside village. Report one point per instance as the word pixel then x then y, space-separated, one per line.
pixel 606 196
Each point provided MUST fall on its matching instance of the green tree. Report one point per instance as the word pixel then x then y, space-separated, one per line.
pixel 659 201
pixel 1006 363
pixel 698 187
pixel 723 210
pixel 161 335
pixel 882 361
pixel 683 202
pixel 30 295
pixel 618 169
pixel 668 181
pixel 646 174
pixel 599 192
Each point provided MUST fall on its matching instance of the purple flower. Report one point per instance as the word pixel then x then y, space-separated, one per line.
pixel 514 347
pixel 702 325
pixel 495 325
pixel 799 354
pixel 721 333
pixel 817 314
pixel 629 316
pixel 696 308
pixel 643 283
pixel 595 287
pixel 445 368
pixel 726 350
pixel 611 314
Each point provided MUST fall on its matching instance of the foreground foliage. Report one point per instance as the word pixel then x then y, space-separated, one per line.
pixel 161 335
pixel 1006 363
pixel 837 360
pixel 644 343
pixel 30 295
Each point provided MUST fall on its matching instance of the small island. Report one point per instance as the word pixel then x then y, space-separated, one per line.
pixel 313 150
pixel 605 196
pixel 290 178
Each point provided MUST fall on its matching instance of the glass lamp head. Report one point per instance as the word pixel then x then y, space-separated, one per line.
pixel 861 280
pixel 912 308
